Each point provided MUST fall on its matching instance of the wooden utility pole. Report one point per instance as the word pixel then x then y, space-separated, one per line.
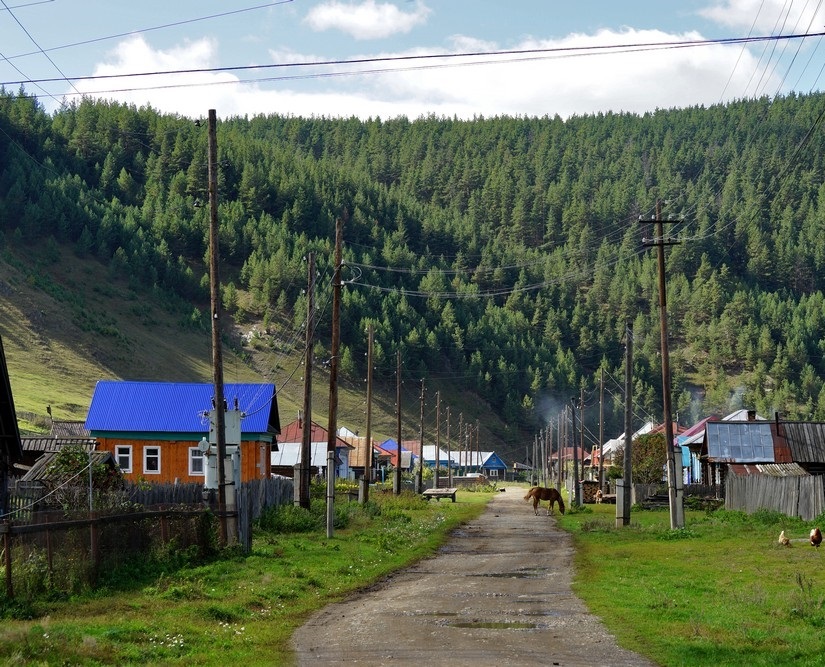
pixel 577 499
pixel 478 449
pixel 449 452
pixel 419 478
pixel 397 477
pixel 534 477
pixel 559 455
pixel 601 432
pixel 628 428
pixel 215 298
pixel 675 499
pixel 368 464
pixel 437 439
pixel 581 425
pixel 462 445
pixel 332 419
pixel 306 414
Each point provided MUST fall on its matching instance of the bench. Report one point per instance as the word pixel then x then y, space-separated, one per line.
pixel 438 494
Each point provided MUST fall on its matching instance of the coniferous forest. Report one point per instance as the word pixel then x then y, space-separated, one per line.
pixel 504 254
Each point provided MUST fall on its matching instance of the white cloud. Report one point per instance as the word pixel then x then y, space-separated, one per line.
pixel 367 19
pixel 767 17
pixel 560 83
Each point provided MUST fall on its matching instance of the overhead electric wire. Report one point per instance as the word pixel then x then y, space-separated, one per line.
pixel 536 54
pixel 136 31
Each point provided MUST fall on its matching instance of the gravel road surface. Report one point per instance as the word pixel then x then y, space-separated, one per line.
pixel 498 593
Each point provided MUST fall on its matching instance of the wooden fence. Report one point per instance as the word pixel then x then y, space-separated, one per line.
pixel 58 550
pixel 802 496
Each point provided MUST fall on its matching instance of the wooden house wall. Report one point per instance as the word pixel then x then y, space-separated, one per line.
pixel 174 460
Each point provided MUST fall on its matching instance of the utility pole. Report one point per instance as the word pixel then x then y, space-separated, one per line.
pixel 368 464
pixel 628 428
pixel 675 499
pixel 601 432
pixel 560 454
pixel 437 439
pixel 306 416
pixel 419 478
pixel 449 453
pixel 534 478
pixel 577 499
pixel 462 446
pixel 332 420
pixel 478 450
pixel 397 476
pixel 581 429
pixel 215 298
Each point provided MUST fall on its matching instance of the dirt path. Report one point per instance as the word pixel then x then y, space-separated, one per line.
pixel 498 593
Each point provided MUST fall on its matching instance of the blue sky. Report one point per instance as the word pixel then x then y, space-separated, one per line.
pixel 575 58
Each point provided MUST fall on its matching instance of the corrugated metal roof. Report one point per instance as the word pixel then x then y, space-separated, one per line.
pixel 740 442
pixel 806 440
pixel 68 429
pixel 48 444
pixel 177 407
pixel 770 469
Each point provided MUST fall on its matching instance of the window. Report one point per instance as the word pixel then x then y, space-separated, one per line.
pixel 123 456
pixel 493 472
pixel 151 460
pixel 195 461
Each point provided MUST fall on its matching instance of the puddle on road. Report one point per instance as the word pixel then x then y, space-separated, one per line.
pixel 487 625
pixel 521 574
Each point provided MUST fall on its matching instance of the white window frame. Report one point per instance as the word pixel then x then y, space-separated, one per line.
pixel 492 472
pixel 195 454
pixel 146 457
pixel 126 452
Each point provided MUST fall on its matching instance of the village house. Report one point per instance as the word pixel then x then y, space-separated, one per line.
pixel 358 454
pixel 154 429
pixel 283 461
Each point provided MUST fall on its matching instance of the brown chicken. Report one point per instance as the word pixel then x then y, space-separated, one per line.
pixel 816 537
pixel 784 541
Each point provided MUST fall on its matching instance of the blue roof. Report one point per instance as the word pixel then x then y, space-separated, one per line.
pixel 177 407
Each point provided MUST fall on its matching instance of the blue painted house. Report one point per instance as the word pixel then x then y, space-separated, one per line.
pixel 153 428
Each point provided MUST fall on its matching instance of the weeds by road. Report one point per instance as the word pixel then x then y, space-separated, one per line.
pixel 239 609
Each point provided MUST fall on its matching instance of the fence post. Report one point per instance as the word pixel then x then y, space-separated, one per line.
pixel 93 547
pixel 7 551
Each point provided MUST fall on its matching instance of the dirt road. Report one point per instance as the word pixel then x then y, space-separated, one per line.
pixel 498 593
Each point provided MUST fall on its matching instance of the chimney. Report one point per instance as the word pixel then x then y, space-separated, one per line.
pixel 751 415
pixel 300 419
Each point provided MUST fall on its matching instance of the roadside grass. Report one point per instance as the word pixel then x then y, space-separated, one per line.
pixel 240 609
pixel 721 591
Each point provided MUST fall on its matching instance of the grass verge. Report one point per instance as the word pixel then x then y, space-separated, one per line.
pixel 241 609
pixel 721 591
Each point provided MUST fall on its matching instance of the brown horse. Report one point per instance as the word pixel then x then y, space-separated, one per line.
pixel 539 493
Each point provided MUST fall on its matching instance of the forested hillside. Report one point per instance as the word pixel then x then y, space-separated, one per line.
pixel 500 255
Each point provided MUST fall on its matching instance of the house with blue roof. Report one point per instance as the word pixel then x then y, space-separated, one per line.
pixel 153 429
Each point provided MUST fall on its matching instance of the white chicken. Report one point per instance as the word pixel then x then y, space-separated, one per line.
pixel 784 541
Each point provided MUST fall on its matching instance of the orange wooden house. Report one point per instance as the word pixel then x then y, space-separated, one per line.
pixel 153 429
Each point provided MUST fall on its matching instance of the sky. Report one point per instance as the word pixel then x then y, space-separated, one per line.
pixel 413 58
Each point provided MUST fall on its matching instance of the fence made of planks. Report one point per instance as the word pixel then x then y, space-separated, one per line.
pixel 55 550
pixel 802 496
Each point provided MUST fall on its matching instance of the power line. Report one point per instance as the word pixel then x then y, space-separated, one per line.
pixel 544 53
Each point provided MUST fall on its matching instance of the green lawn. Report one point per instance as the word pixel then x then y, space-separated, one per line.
pixel 721 591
